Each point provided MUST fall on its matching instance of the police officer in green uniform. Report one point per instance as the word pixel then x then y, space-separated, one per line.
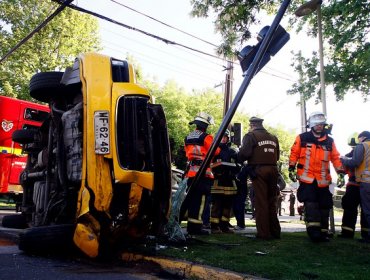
pixel 261 149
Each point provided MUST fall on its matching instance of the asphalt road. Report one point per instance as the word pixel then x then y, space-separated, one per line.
pixel 16 265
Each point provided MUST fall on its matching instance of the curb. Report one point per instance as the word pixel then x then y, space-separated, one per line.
pixel 11 234
pixel 188 269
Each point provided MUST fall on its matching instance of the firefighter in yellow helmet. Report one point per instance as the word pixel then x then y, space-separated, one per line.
pixel 360 161
pixel 351 200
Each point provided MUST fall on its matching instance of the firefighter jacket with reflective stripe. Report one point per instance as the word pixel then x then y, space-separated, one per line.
pixel 260 148
pixel 197 144
pixel 225 174
pixel 363 170
pixel 313 156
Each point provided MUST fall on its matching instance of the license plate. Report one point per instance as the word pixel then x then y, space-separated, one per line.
pixel 102 133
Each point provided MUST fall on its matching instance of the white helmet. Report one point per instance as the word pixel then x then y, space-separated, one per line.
pixel 204 118
pixel 316 118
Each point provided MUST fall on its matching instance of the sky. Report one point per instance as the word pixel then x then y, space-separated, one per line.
pixel 267 94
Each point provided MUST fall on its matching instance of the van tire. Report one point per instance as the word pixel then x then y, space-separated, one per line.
pixel 47 239
pixel 23 136
pixel 45 85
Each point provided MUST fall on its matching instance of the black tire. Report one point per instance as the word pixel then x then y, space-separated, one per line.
pixel 47 239
pixel 46 85
pixel 23 136
pixel 14 221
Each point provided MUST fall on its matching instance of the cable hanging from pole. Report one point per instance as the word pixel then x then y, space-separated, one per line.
pixel 62 6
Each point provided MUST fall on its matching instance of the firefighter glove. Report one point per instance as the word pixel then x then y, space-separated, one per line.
pixel 292 174
pixel 340 180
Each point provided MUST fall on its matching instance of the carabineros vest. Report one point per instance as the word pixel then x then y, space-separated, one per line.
pixel 266 150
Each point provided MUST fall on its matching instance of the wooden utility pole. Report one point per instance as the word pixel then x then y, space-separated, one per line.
pixel 228 95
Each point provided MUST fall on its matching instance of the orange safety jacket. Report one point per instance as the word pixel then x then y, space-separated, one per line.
pixel 197 144
pixel 313 156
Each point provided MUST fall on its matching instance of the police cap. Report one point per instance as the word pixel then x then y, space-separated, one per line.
pixel 255 120
pixel 365 134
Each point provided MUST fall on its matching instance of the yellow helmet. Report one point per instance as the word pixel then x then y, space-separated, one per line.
pixel 353 139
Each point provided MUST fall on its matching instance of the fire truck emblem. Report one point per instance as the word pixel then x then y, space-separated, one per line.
pixel 7 125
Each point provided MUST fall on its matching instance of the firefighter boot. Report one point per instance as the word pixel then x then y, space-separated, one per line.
pixel 215 228
pixel 325 235
pixel 225 227
pixel 313 218
pixel 196 229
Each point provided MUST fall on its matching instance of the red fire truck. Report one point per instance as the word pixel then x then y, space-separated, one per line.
pixel 15 114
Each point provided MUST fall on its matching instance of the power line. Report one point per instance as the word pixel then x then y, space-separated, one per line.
pixel 162 39
pixel 62 6
pixel 208 60
pixel 166 24
pixel 167 41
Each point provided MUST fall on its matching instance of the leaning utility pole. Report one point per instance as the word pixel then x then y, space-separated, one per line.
pixel 228 95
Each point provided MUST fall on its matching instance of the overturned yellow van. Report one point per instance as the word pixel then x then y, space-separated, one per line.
pixel 99 168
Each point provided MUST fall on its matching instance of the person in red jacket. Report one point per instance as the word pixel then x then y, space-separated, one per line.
pixel 197 144
pixel 312 153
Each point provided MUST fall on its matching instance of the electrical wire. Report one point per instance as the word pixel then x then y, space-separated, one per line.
pixel 166 24
pixel 62 6
pixel 167 41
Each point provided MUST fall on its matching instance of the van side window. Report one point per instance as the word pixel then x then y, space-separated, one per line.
pixel 35 115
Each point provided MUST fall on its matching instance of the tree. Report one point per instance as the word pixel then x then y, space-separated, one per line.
pixel 345 32
pixel 181 107
pixel 54 47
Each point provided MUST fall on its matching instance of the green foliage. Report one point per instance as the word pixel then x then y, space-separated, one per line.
pixel 181 107
pixel 345 34
pixel 286 140
pixel 54 47
pixel 346 50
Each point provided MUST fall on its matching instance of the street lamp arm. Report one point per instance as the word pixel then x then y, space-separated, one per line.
pixel 307 8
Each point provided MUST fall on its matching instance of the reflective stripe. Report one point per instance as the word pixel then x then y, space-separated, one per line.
pixel 348 228
pixel 313 224
pixel 201 209
pixel 307 163
pixel 305 178
pixel 226 190
pixel 224 219
pixel 214 220
pixel 194 221
pixel 323 182
pixel 365 229
pixel 195 168
pixel 8 150
pixel 324 230
pixel 363 171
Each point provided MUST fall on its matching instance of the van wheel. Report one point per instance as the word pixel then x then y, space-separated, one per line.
pixel 47 239
pixel 23 136
pixel 14 221
pixel 45 85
